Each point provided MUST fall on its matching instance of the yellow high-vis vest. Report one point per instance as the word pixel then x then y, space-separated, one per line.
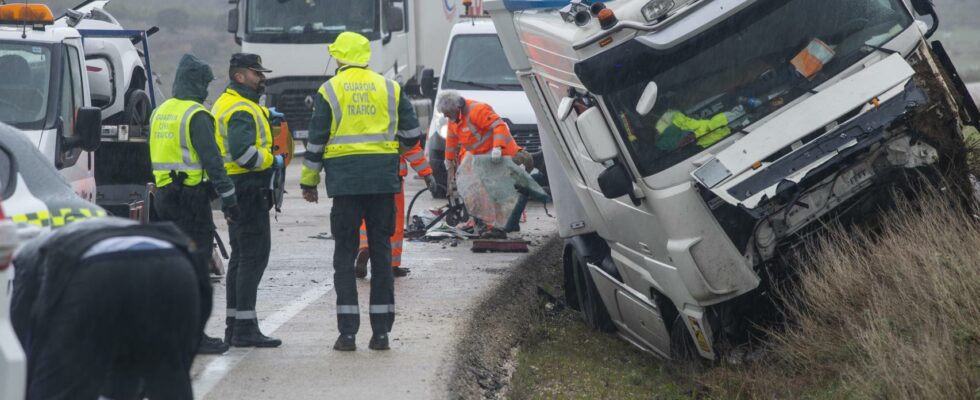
pixel 227 105
pixel 170 142
pixel 365 113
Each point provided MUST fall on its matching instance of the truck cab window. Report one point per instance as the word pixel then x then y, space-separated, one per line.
pixel 24 84
pixel 291 21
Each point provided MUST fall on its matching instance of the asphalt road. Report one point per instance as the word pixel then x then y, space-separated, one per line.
pixel 296 304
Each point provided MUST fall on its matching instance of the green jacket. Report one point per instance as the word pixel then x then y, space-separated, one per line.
pixel 241 136
pixel 191 83
pixel 345 176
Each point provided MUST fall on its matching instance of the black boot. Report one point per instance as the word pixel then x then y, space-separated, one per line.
pixel 247 334
pixel 379 341
pixel 210 345
pixel 345 343
pixel 400 272
pixel 360 265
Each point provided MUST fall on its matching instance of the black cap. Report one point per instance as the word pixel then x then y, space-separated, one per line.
pixel 248 60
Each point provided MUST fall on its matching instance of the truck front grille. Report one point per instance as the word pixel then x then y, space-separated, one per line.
pixel 293 104
pixel 526 136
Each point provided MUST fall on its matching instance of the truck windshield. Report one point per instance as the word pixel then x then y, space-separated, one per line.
pixel 309 21
pixel 736 73
pixel 24 84
pixel 477 62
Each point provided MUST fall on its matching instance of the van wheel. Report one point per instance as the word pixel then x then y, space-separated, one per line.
pixel 594 311
pixel 682 346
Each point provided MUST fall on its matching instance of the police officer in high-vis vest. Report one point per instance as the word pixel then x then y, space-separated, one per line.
pixel 246 144
pixel 360 121
pixel 184 153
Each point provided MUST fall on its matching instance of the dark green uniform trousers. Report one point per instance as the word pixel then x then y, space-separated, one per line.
pixel 378 213
pixel 251 242
pixel 190 209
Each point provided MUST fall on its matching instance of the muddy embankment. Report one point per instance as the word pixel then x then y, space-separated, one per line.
pixel 485 352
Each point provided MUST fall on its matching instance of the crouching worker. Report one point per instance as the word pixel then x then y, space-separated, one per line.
pixel 106 307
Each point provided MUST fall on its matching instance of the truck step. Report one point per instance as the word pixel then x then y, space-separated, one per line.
pixel 500 246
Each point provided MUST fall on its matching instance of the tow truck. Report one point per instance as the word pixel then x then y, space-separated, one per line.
pixel 702 142
pixel 81 66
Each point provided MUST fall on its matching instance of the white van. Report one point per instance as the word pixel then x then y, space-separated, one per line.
pixel 476 68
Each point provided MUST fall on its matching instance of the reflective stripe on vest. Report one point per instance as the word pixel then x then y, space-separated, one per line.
pixel 481 138
pixel 171 148
pixel 227 105
pixel 360 123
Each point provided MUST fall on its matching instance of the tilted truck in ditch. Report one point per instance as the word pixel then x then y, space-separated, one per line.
pixel 703 140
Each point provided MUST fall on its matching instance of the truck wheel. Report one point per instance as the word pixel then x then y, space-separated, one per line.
pixel 137 111
pixel 594 311
pixel 682 346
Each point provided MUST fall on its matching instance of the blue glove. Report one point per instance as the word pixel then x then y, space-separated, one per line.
pixel 278 162
pixel 276 117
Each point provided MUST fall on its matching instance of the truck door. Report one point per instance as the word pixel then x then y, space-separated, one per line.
pixel 394 42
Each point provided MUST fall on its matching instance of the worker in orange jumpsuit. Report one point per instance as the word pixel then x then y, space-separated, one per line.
pixel 416 158
pixel 475 128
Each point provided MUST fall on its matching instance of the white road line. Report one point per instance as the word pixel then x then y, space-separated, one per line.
pixel 224 364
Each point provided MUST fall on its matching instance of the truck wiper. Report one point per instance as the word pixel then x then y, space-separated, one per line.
pixel 487 86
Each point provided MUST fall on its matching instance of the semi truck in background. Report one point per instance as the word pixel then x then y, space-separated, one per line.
pixel 408 41
pixel 697 144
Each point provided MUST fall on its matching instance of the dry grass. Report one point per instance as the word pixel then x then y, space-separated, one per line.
pixel 891 315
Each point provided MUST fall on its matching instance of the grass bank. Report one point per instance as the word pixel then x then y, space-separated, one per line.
pixel 893 314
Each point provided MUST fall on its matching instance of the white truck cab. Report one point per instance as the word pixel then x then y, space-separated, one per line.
pixel 475 67
pixel 44 91
pixel 704 140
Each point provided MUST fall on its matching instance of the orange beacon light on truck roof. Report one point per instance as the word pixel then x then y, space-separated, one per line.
pixel 26 14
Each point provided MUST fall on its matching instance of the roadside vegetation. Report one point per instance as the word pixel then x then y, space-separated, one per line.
pixel 893 314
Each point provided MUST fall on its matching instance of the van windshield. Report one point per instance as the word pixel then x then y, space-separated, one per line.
pixel 477 62
pixel 736 73
pixel 24 84
pixel 308 21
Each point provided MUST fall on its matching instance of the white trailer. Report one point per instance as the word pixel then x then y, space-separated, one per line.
pixel 702 140
pixel 408 41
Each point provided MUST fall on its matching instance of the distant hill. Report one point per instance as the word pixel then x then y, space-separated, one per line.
pixel 198 27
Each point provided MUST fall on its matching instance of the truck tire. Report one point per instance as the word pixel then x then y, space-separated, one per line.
pixel 593 310
pixel 682 346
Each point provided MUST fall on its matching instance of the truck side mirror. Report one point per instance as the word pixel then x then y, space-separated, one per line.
pixel 615 182
pixel 88 129
pixel 596 136
pixel 923 7
pixel 233 20
pixel 428 83
pixel 395 19
pixel 648 99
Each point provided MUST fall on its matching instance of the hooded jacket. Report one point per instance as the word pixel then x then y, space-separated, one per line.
pixel 191 84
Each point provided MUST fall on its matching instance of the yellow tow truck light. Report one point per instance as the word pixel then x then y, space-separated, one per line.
pixel 19 13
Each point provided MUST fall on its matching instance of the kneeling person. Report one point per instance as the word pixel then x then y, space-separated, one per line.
pixel 107 307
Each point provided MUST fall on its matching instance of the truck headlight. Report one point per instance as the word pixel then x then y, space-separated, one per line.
pixel 657 9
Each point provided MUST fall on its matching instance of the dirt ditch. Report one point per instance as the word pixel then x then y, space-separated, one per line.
pixel 486 352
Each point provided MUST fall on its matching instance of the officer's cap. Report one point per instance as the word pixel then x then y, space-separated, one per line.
pixel 248 60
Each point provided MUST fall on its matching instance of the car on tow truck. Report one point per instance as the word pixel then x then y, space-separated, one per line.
pixel 702 142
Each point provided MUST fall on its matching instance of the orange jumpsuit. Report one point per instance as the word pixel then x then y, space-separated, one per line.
pixel 479 131
pixel 415 157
